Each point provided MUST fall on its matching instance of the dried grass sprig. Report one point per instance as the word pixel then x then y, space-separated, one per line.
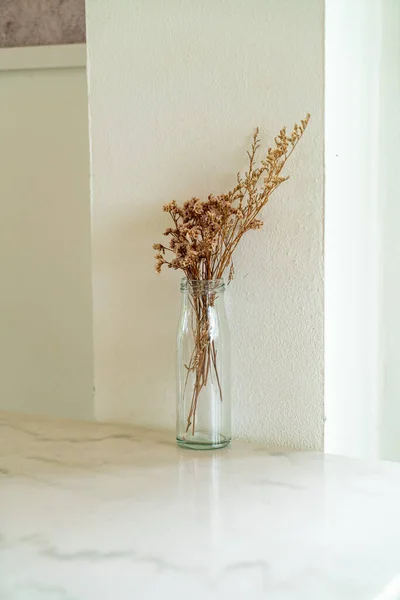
pixel 205 234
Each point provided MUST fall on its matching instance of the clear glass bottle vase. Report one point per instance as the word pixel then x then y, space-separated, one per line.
pixel 203 418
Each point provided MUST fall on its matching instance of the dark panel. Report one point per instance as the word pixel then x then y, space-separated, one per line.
pixel 41 22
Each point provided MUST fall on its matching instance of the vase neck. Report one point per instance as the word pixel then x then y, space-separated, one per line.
pixel 202 286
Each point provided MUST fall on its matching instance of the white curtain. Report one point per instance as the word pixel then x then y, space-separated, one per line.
pixel 362 228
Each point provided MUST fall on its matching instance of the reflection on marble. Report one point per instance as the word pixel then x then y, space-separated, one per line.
pixel 106 511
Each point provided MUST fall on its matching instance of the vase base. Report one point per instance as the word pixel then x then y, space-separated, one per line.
pixel 200 442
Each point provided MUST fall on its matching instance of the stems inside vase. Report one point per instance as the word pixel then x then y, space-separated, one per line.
pixel 203 360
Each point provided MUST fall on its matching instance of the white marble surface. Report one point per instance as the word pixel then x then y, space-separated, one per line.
pixel 106 512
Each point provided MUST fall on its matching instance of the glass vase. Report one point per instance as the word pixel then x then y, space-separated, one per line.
pixel 203 419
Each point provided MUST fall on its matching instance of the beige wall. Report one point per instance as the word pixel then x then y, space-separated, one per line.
pixel 175 91
pixel 45 300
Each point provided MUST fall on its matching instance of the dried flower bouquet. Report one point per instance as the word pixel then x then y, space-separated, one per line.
pixel 205 234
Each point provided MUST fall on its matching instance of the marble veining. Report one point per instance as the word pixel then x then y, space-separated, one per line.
pixel 109 511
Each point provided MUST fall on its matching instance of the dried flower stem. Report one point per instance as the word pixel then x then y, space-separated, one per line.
pixel 204 354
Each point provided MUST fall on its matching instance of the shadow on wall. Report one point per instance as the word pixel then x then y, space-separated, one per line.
pixel 138 311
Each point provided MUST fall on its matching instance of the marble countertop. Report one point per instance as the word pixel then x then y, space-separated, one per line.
pixel 106 512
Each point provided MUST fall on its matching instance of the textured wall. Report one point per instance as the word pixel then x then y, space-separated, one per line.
pixel 173 107
pixel 41 22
